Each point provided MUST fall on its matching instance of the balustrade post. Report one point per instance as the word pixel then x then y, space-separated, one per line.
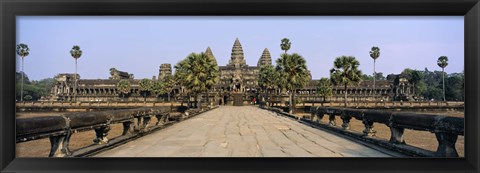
pixel 162 118
pixel 101 134
pixel 127 127
pixel 396 135
pixel 446 144
pixel 368 131
pixel 346 122
pixel 331 119
pixel 59 145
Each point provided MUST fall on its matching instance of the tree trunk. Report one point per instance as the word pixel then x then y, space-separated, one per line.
pixel 443 83
pixel 374 74
pixel 345 97
pixel 21 91
pixel 75 85
pixel 290 102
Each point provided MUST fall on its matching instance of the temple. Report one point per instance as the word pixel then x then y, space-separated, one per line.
pixel 235 77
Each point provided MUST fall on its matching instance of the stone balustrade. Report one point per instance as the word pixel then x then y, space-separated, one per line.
pixel 59 129
pixel 446 128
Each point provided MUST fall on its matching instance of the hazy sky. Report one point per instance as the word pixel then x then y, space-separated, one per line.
pixel 139 45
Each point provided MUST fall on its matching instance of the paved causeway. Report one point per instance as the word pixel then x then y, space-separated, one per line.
pixel 241 132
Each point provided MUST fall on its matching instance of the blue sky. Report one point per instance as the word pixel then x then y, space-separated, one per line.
pixel 140 44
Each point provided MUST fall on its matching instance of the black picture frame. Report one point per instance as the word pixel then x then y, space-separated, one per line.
pixel 470 9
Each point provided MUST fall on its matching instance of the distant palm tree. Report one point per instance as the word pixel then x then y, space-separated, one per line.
pixel 157 88
pixel 345 72
pixel 324 88
pixel 374 53
pixel 123 87
pixel 293 68
pixel 285 45
pixel 442 62
pixel 266 79
pixel 146 86
pixel 22 51
pixel 198 73
pixel 168 83
pixel 76 53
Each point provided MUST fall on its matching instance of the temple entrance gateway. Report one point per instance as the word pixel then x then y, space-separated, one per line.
pixel 238 99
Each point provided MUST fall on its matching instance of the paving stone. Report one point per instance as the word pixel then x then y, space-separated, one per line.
pixel 244 131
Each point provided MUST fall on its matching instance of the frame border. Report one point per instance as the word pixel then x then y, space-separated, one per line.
pixel 470 9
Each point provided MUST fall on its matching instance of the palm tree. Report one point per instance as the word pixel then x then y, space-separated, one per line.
pixel 168 83
pixel 285 45
pixel 157 88
pixel 345 72
pixel 146 86
pixel 374 53
pixel 198 73
pixel 76 53
pixel 266 79
pixel 123 87
pixel 22 51
pixel 293 70
pixel 442 62
pixel 324 88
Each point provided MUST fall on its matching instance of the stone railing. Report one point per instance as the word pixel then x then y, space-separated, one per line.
pixel 446 128
pixel 59 129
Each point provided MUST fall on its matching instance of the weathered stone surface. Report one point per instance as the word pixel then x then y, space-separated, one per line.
pixel 241 132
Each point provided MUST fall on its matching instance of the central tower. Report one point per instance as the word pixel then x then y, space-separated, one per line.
pixel 237 59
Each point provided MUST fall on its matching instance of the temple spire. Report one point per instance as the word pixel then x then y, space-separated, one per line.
pixel 210 53
pixel 237 60
pixel 265 59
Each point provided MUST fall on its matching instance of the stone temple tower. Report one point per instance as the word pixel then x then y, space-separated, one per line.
pixel 265 59
pixel 165 70
pixel 237 60
pixel 210 53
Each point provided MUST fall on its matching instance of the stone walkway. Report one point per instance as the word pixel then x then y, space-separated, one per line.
pixel 244 131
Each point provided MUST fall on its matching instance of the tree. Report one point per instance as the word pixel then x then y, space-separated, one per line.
pixel 198 73
pixel 267 79
pixel 442 62
pixel 293 69
pixel 76 53
pixel 285 45
pixel 168 84
pixel 374 53
pixel 22 51
pixel 157 88
pixel 146 86
pixel 345 72
pixel 324 88
pixel 123 87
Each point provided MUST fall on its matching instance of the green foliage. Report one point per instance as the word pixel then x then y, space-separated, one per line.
pixel 429 84
pixel 157 88
pixel 123 87
pixel 145 86
pixel 292 74
pixel 197 73
pixel 375 52
pixel 23 50
pixel 442 61
pixel 266 77
pixel 345 71
pixel 370 77
pixel 36 89
pixel 324 87
pixel 168 83
pixel 76 52
pixel 293 69
pixel 285 45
